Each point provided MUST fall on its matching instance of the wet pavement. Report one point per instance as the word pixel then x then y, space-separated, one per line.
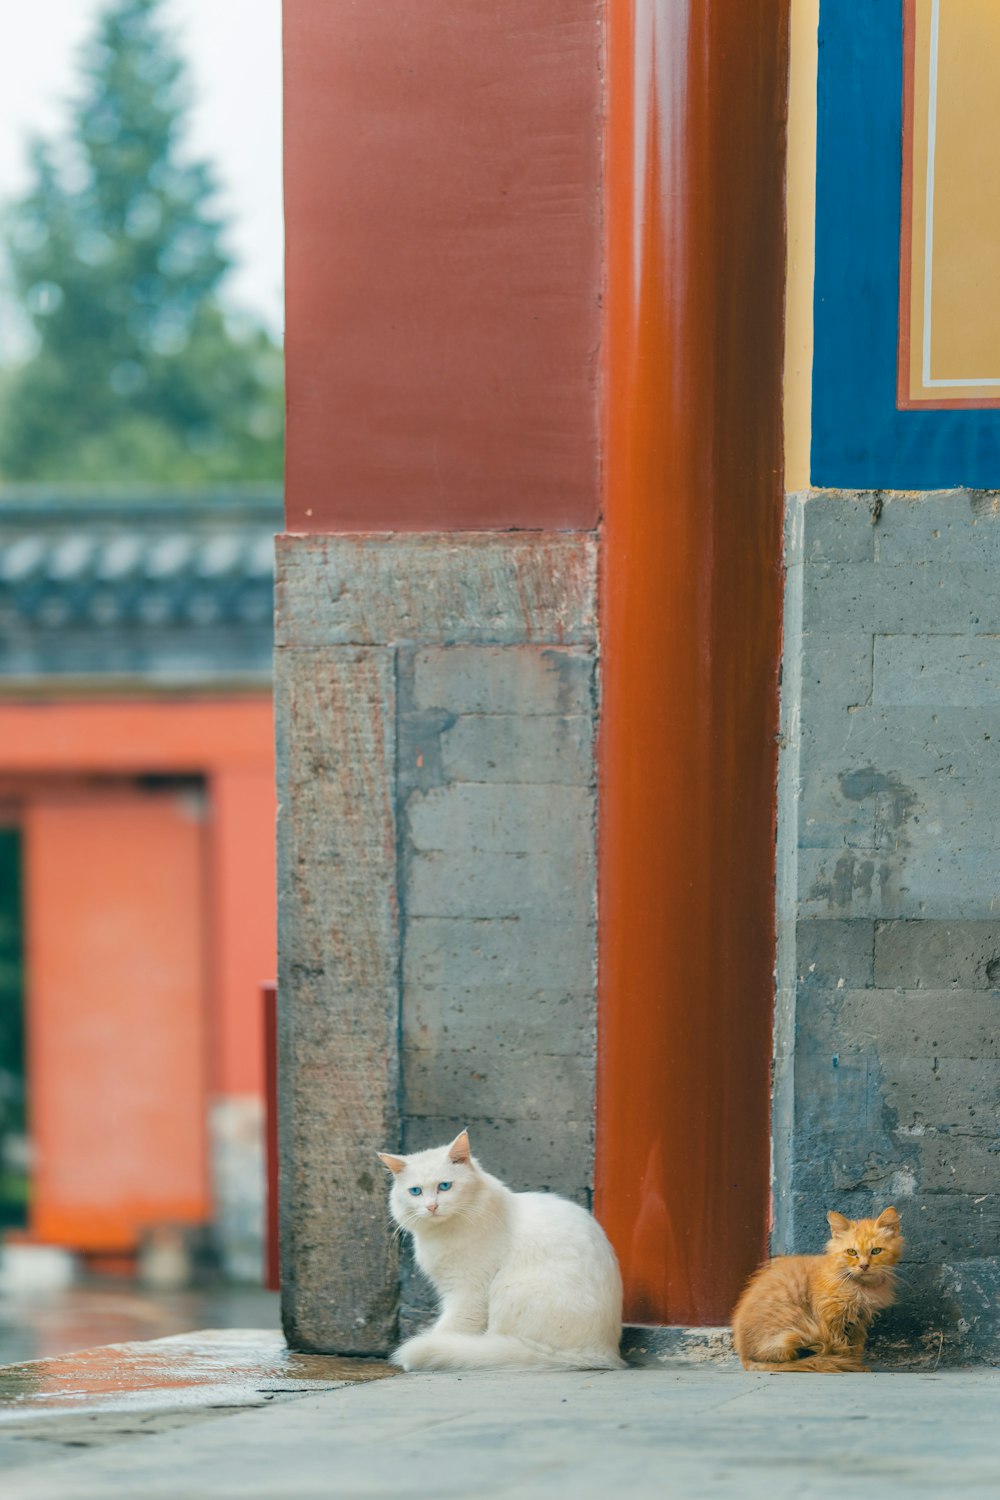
pixel 231 1414
pixel 36 1325
pixel 216 1367
pixel 95 1398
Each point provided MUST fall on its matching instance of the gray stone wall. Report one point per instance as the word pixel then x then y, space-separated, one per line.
pixel 887 1041
pixel 497 813
pixel 437 889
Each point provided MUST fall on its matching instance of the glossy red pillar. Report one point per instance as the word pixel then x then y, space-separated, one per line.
pixel 691 639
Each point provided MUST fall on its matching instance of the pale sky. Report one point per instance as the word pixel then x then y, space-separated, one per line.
pixel 233 48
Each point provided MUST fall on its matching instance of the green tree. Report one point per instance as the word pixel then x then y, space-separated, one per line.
pixel 137 370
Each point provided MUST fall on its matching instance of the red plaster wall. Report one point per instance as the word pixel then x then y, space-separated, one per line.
pixel 444 263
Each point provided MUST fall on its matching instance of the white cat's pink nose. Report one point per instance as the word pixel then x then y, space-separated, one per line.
pixel 432 1208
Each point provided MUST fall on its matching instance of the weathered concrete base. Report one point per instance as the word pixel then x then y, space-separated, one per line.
pixel 437 889
pixel 926 1330
pixel 651 1347
pixel 887 1077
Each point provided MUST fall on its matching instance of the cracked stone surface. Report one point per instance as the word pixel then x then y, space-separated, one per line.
pixel 681 1431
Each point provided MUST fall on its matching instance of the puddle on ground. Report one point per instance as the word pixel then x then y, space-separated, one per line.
pixel 211 1368
pixel 40 1323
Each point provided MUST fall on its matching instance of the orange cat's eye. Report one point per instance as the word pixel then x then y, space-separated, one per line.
pixel 876 1249
pixel 852 1252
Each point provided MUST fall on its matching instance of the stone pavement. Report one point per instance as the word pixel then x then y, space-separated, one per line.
pixel 680 1431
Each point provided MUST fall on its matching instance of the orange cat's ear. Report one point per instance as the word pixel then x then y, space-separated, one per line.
pixel 460 1150
pixel 838 1223
pixel 888 1219
pixel 395 1164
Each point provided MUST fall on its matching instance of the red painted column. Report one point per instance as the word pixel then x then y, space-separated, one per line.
pixel 691 643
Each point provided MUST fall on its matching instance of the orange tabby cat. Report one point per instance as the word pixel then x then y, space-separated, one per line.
pixel 813 1312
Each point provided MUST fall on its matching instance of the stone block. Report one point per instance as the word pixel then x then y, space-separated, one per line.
pixel 817 1023
pixel 510 1083
pixel 519 749
pixel 865 807
pixel 972 1286
pixel 912 742
pixel 522 953
pixel 893 599
pixel 953 1162
pixel 950 1093
pixel 833 1094
pixel 836 670
pixel 467 818
pixel 926 811
pixel 938 955
pixel 900 883
pixel 938 670
pixel 843 883
pixel 518 680
pixel 832 954
pixel 908 1023
pixel 938 1227
pixel 827 819
pixel 489 587
pixel 942 1227
pixel 492 1019
pixel 485 884
pixel 837 528
pixel 948 526
pixel 553 1155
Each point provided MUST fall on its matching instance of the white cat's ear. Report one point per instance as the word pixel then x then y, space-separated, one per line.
pixel 837 1222
pixel 888 1219
pixel 460 1150
pixel 395 1164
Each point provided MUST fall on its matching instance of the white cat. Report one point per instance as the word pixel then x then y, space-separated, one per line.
pixel 525 1280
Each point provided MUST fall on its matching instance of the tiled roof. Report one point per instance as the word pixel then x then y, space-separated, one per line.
pixel 146 587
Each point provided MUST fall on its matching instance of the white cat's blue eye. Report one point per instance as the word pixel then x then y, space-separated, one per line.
pixel 443 1187
pixel 415 1192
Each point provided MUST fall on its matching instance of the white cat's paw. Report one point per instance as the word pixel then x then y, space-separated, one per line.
pixel 414 1354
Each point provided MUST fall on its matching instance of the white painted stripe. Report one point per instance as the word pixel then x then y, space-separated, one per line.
pixel 984 381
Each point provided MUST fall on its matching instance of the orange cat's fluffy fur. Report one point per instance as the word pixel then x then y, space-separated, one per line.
pixel 813 1312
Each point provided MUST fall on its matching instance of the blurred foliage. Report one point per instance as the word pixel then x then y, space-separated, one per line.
pixel 138 371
